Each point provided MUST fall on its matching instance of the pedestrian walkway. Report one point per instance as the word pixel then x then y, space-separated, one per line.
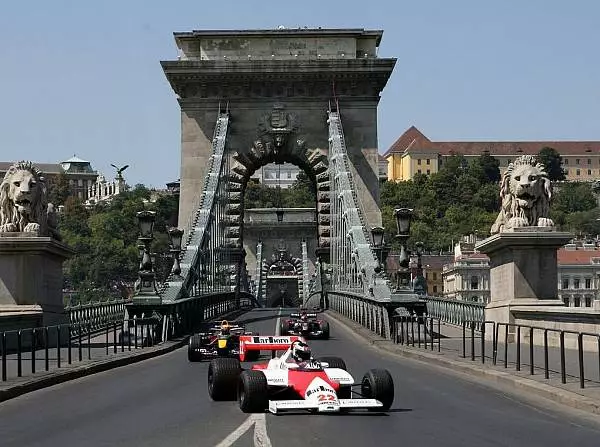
pixel 448 351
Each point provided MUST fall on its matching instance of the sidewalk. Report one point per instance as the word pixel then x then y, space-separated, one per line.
pixel 450 357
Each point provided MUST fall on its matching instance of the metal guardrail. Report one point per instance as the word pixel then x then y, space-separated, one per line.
pixel 454 311
pixel 66 344
pixel 95 315
pixel 406 329
pixel 370 313
pixel 517 334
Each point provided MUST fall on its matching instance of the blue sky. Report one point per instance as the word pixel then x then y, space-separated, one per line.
pixel 83 77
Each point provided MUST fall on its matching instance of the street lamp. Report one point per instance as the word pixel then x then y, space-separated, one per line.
pixel 175 237
pixel 377 236
pixel 147 292
pixel 403 219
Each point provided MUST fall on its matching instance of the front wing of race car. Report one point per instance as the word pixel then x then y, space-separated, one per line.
pixel 277 406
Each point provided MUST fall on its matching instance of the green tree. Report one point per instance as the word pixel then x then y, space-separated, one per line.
pixel 59 190
pixel 490 166
pixel 573 197
pixel 552 161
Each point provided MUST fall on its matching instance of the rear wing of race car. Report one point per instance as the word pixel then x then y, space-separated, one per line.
pixel 265 343
pixel 295 315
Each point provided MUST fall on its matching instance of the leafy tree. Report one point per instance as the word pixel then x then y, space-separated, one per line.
pixel 574 197
pixel 552 161
pixel 59 189
pixel 490 166
pixel 105 238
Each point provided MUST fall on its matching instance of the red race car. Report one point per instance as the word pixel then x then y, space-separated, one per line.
pixel 296 381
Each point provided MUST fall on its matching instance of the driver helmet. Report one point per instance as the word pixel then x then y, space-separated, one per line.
pixel 301 351
pixel 303 316
pixel 225 327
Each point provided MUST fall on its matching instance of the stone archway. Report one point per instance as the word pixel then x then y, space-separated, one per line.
pixel 278 142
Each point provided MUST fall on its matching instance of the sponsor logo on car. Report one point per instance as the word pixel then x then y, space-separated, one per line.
pixel 270 340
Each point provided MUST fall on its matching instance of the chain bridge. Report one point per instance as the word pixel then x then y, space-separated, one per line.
pixel 250 98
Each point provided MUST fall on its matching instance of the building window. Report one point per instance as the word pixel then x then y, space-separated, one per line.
pixel 589 161
pixel 435 289
pixel 565 283
pixel 589 172
pixel 566 172
pixel 428 161
pixel 428 171
pixel 566 161
pixel 576 283
pixel 588 283
pixel 418 161
pixel 588 301
pixel 577 161
pixel 474 283
pixel 434 274
pixel 419 172
pixel 578 172
pixel 566 300
pixel 577 301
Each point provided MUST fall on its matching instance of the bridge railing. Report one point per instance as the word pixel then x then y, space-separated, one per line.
pixel 94 316
pixel 455 312
pixel 368 312
pixel 26 352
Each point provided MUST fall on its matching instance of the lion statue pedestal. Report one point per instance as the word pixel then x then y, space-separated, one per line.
pixel 524 244
pixel 31 254
pixel 31 273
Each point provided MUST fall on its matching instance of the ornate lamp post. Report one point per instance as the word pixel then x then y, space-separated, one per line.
pixel 403 219
pixel 377 237
pixel 147 292
pixel 175 236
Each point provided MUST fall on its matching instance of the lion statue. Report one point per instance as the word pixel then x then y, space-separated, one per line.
pixel 525 193
pixel 24 206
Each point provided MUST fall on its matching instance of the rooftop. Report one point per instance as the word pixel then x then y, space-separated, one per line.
pixel 284 32
pixel 577 257
pixel 414 141
pixel 75 159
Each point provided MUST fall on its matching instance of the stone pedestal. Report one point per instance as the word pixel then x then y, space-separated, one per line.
pixel 31 274
pixel 523 270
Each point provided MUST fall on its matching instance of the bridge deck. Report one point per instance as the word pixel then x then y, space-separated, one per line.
pixel 164 402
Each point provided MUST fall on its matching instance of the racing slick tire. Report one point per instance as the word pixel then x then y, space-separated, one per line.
pixel 223 375
pixel 194 343
pixel 253 392
pixel 324 326
pixel 334 362
pixel 378 384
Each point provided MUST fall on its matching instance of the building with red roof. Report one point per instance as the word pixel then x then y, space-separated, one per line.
pixel 414 153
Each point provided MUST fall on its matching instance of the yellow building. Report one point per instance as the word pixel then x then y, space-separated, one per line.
pixel 414 153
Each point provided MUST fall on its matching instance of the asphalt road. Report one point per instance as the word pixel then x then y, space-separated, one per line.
pixel 163 402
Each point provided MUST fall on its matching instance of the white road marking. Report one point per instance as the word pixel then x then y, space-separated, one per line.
pixel 261 438
pixel 237 433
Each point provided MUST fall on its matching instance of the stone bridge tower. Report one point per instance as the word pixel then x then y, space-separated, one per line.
pixel 280 81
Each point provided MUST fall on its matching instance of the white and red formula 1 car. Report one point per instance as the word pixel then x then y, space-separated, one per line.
pixel 283 384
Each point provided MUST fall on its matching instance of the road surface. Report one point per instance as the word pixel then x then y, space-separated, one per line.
pixel 164 402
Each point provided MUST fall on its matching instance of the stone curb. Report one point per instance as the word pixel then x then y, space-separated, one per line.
pixel 47 379
pixel 513 383
pixel 64 375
